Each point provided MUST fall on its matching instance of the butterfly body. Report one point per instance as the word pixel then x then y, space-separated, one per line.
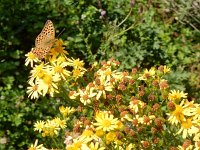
pixel 44 40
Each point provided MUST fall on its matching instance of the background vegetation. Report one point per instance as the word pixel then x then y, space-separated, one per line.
pixel 140 33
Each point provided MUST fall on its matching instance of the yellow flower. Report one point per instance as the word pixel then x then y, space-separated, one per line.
pixel 176 95
pixel 105 121
pixel 95 146
pixel 50 128
pixel 48 84
pixel 187 128
pixel 88 136
pixel 76 73
pixel 38 126
pixel 102 88
pixel 65 111
pixel 37 71
pixel 59 68
pixel 31 58
pixel 61 123
pixel 177 115
pixel 110 137
pixel 99 132
pixel 86 95
pixel 76 145
pixel 33 91
pixel 35 147
pixel 76 63
pixel 147 73
pixel 166 69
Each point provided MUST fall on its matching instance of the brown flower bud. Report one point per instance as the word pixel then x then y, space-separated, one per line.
pixel 121 87
pixel 118 97
pixel 161 68
pixel 158 122
pixel 171 106
pixel 156 140
pixel 173 148
pixel 135 122
pixel 186 143
pixel 146 119
pixel 132 133
pixel 145 144
pixel 151 97
pixel 155 83
pixel 127 129
pixel 155 106
pixel 153 130
pixel 163 84
pixel 134 71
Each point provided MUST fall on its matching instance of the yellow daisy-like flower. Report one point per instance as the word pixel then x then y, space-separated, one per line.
pixel 177 115
pixel 88 136
pixel 95 146
pixel 176 95
pixel 65 111
pixel 105 121
pixel 148 73
pixel 59 68
pixel 35 146
pixel 76 63
pixel 39 125
pixel 61 123
pixel 102 88
pixel 48 84
pixel 86 95
pixel 166 69
pixel 110 137
pixel 76 145
pixel 33 91
pixel 187 128
pixel 30 59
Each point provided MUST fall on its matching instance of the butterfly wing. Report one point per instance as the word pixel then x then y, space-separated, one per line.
pixel 44 40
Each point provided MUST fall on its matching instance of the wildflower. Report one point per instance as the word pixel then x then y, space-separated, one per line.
pixel 176 95
pixel 102 88
pixel 88 135
pixel 76 73
pixel 147 73
pixel 166 69
pixel 86 95
pixel 31 58
pixel 37 71
pixel 48 83
pixel 58 68
pixel 95 146
pixel 35 147
pixel 50 128
pixel 33 91
pixel 65 111
pixel 187 128
pixel 76 63
pixel 60 123
pixel 57 50
pixel 105 121
pixel 76 145
pixel 39 125
pixel 111 136
pixel 177 115
pixel 192 110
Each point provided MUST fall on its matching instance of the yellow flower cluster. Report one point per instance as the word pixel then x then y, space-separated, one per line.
pixel 45 77
pixel 185 113
pixel 104 81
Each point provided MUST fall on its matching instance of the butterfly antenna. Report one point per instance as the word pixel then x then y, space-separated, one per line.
pixel 61 32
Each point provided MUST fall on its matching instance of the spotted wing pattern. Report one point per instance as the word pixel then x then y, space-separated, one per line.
pixel 44 40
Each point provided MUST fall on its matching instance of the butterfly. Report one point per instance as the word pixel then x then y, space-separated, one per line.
pixel 44 40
